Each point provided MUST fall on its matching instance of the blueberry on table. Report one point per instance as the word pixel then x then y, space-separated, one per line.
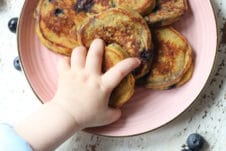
pixel 186 150
pixel 12 24
pixel 16 63
pixel 195 142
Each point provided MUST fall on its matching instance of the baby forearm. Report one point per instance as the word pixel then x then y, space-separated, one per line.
pixel 47 128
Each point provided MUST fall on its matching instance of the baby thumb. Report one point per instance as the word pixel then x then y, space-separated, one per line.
pixel 114 115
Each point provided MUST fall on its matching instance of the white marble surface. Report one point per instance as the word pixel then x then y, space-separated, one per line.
pixel 206 116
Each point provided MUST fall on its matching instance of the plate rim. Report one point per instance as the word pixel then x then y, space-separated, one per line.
pixel 148 131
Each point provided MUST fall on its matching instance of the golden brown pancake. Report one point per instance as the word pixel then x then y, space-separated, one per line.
pixel 172 60
pixel 124 27
pixel 56 25
pixel 124 91
pixel 143 7
pixel 167 12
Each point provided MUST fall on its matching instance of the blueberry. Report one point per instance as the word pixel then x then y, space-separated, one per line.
pixel 16 63
pixel 146 55
pixel 186 150
pixel 195 141
pixel 84 5
pixel 12 24
pixel 58 11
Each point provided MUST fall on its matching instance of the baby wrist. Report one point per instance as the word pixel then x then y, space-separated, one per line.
pixel 67 113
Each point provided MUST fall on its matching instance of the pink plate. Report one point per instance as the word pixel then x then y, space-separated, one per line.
pixel 148 109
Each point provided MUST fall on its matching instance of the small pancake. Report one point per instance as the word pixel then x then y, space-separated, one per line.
pixel 167 12
pixel 143 7
pixel 56 25
pixel 172 60
pixel 124 27
pixel 125 90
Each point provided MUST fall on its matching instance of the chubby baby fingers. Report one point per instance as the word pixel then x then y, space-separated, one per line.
pixel 115 75
pixel 78 57
pixel 63 65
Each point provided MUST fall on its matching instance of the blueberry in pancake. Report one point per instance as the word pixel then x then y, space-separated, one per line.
pixel 95 6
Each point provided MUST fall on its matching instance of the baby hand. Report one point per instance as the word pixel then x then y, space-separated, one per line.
pixel 84 91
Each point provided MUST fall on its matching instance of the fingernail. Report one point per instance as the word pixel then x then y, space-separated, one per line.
pixel 138 61
pixel 101 40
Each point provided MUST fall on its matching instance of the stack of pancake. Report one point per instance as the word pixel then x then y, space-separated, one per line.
pixel 130 28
